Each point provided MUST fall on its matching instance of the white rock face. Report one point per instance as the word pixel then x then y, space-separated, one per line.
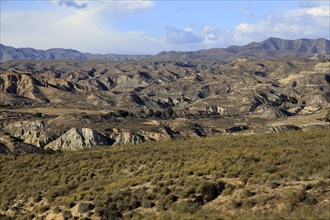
pixel 79 138
pixel 32 132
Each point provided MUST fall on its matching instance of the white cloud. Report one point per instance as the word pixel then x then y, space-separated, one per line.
pixel 72 3
pixel 323 11
pixel 83 29
pixel 291 24
pixel 108 5
pixel 177 36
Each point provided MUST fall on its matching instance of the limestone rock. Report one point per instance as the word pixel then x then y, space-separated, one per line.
pixel 79 138
pixel 126 137
pixel 32 132
pixel 9 144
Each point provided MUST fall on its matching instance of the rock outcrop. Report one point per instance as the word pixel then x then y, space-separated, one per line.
pixel 125 137
pixel 9 144
pixel 79 138
pixel 32 132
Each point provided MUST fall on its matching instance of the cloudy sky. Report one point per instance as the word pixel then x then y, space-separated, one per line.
pixel 152 26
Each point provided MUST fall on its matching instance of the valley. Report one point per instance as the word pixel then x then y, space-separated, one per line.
pixel 234 133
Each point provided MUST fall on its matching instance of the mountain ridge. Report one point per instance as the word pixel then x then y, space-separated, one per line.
pixel 270 48
pixel 8 53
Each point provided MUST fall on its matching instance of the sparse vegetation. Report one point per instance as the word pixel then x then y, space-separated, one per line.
pixel 178 177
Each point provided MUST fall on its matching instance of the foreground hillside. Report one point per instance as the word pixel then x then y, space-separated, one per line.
pixel 266 176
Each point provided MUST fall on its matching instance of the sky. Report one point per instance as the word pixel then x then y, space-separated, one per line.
pixel 152 26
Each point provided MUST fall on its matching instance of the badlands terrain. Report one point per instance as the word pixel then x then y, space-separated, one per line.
pixel 240 131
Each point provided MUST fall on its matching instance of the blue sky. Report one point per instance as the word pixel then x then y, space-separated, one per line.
pixel 152 26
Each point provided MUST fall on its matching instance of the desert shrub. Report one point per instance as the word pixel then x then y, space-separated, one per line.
pixel 38 114
pixel 66 214
pixel 211 191
pixel 85 207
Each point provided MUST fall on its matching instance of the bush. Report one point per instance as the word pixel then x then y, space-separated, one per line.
pixel 123 113
pixel 293 100
pixel 67 214
pixel 85 207
pixel 210 191
pixel 38 114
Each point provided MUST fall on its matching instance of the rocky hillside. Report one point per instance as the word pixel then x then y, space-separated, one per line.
pixel 79 104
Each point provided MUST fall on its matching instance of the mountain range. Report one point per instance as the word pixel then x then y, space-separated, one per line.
pixel 269 48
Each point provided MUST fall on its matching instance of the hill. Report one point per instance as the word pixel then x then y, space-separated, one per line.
pixel 260 176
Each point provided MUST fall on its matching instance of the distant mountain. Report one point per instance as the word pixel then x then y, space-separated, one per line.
pixel 269 48
pixel 8 53
pixel 279 47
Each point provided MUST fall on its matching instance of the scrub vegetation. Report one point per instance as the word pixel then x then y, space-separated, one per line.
pixel 272 176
